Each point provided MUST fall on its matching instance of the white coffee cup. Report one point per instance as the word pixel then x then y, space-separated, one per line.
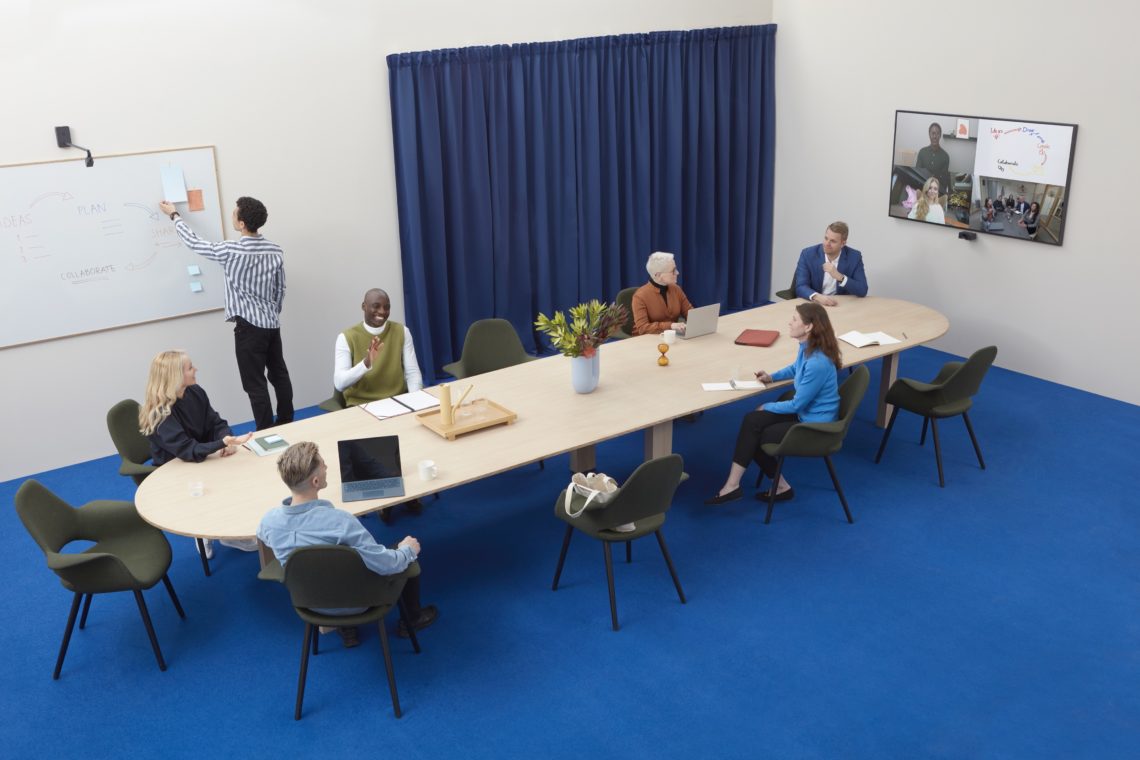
pixel 670 336
pixel 429 470
pixel 197 488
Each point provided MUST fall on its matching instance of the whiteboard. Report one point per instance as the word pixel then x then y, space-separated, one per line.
pixel 1033 152
pixel 86 249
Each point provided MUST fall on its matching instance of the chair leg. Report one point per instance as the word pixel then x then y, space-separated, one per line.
pixel 669 564
pixel 887 434
pixel 628 552
pixel 562 557
pixel 202 555
pixel 974 439
pixel 310 633
pixel 838 489
pixel 388 666
pixel 316 637
pixel 408 624
pixel 149 629
pixel 772 489
pixel 83 615
pixel 610 582
pixel 173 597
pixel 922 438
pixel 937 451
pixel 542 464
pixel 67 635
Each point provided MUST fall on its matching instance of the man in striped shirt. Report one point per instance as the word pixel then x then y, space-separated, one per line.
pixel 255 291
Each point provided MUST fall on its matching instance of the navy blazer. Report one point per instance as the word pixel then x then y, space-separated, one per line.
pixel 809 272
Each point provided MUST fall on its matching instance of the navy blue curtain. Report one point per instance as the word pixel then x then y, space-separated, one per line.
pixel 531 177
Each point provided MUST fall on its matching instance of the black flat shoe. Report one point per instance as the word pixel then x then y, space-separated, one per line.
pixel 780 496
pixel 427 616
pixel 730 496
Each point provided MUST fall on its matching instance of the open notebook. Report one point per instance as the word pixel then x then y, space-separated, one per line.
pixel 414 401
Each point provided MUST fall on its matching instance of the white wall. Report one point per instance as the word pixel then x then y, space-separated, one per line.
pixel 294 94
pixel 1066 314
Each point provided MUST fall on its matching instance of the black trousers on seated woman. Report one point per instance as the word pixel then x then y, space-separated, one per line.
pixel 757 428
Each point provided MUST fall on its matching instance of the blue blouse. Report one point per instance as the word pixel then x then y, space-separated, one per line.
pixel 817 388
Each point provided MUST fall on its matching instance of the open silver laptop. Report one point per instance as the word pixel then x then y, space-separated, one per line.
pixel 370 468
pixel 701 321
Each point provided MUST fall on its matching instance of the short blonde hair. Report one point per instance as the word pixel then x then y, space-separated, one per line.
pixel 162 386
pixel 298 463
pixel 839 228
pixel 659 262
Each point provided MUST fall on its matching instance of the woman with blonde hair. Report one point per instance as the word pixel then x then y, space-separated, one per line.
pixel 176 416
pixel 927 209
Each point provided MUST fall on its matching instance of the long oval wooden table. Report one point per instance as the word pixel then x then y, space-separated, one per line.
pixel 634 394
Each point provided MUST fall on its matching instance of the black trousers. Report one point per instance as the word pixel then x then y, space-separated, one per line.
pixel 258 351
pixel 410 596
pixel 757 428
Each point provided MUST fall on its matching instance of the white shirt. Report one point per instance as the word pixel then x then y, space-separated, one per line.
pixel 830 284
pixel 934 214
pixel 345 375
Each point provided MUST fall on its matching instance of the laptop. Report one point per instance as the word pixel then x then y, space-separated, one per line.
pixel 370 468
pixel 701 321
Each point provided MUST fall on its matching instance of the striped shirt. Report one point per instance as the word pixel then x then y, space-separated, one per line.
pixel 255 274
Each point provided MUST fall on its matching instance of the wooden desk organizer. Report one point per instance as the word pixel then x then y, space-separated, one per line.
pixel 497 414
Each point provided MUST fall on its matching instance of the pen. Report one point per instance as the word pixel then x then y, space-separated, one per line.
pixel 904 337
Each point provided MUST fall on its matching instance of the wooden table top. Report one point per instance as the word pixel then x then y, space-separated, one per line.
pixel 634 394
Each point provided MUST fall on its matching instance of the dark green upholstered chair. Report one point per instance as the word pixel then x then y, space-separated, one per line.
pixel 949 394
pixel 642 500
pixel 133 447
pixel 820 439
pixel 127 554
pixel 334 403
pixel 790 293
pixel 625 298
pixel 134 451
pixel 490 344
pixel 335 577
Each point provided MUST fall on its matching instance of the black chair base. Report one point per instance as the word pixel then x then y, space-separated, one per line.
pixel 834 482
pixel 144 613
pixel 609 562
pixel 933 423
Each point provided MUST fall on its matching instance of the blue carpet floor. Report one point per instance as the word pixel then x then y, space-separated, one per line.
pixel 997 617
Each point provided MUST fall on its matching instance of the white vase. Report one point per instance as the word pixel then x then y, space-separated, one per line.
pixel 584 372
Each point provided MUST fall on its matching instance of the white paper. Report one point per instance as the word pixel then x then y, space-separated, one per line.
pixel 173 184
pixel 385 407
pixel 862 340
pixel 417 400
pixel 717 386
pixel 746 385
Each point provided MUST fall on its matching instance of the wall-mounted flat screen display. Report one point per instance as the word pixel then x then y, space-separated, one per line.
pixel 997 176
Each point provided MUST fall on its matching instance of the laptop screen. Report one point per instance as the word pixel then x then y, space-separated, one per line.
pixel 369 458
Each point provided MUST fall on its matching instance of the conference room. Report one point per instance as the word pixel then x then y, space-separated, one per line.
pixel 963 620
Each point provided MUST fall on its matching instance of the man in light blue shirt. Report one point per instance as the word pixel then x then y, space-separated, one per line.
pixel 304 519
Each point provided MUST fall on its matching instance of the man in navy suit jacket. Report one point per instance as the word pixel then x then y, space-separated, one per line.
pixel 830 269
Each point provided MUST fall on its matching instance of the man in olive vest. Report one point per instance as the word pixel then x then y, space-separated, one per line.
pixel 375 358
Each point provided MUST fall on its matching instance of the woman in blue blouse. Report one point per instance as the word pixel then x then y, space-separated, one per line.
pixel 816 400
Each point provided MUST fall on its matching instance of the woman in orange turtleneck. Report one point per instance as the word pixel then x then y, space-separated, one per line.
pixel 660 303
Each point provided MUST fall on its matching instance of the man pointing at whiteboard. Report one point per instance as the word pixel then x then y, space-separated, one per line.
pixel 255 291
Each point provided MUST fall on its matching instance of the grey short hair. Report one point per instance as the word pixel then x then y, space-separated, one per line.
pixel 298 463
pixel 659 262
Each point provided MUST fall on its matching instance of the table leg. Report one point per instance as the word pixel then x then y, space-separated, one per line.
pixel 887 377
pixel 264 553
pixel 659 440
pixel 584 459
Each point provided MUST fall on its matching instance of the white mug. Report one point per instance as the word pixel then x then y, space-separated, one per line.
pixel 429 470
pixel 670 336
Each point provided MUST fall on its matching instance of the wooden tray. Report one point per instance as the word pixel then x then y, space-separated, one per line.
pixel 497 414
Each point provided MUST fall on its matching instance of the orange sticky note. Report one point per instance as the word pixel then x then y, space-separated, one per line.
pixel 194 198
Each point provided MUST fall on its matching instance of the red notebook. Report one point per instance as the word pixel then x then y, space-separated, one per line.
pixel 760 338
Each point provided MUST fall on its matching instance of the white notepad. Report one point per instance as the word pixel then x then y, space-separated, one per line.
pixel 862 340
pixel 414 401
